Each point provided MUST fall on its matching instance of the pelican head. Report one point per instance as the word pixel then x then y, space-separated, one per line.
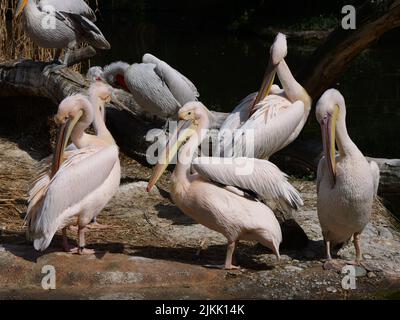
pixel 102 92
pixel 95 74
pixel 330 108
pixel 278 49
pixel 194 112
pixel 71 110
pixel 278 52
pixel 20 7
pixel 114 74
pixel 192 116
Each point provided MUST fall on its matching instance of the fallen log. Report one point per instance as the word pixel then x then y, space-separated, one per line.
pixel 129 123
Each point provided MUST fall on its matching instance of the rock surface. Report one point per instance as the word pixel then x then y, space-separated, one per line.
pixel 152 251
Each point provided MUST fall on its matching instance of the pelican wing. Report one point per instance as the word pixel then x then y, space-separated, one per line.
pixel 149 91
pixel 258 176
pixel 271 128
pixel 181 87
pixel 233 122
pixel 71 6
pixel 81 174
pixel 85 28
pixel 240 114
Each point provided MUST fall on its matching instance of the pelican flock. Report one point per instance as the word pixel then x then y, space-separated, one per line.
pixel 79 183
pixel 230 192
pixel 73 23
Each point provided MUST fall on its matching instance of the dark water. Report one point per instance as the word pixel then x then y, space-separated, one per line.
pixel 226 67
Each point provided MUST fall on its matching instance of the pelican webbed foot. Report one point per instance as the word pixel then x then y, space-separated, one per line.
pixel 335 264
pixel 85 252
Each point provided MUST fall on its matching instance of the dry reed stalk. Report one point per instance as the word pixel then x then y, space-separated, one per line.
pixel 15 44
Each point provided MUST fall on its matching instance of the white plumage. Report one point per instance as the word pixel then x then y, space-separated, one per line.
pixel 276 121
pixel 88 175
pixel 77 189
pixel 347 184
pixel 217 196
pixel 259 176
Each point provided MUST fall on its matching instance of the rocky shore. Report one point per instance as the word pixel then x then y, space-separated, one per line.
pixel 152 251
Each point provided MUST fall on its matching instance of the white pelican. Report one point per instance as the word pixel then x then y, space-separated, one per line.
pixel 215 195
pixel 346 183
pixel 71 6
pixel 274 116
pixel 80 183
pixel 71 25
pixel 157 87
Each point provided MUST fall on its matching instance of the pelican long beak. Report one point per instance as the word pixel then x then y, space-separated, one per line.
pixel 21 6
pixel 183 131
pixel 268 81
pixel 63 135
pixel 328 128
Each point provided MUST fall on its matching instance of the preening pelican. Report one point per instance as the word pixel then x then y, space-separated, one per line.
pixel 214 196
pixel 157 87
pixel 267 121
pixel 71 25
pixel 346 183
pixel 80 182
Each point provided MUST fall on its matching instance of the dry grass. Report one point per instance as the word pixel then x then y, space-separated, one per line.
pixel 15 43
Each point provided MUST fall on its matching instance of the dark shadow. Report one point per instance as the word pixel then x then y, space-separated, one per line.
pixel 245 256
pixel 27 122
pixel 16 244
pixel 165 194
pixel 294 237
pixel 128 180
pixel 315 250
pixel 172 213
pixel 213 255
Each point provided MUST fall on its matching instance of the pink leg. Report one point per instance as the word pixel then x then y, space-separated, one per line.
pixel 81 236
pixel 229 255
pixel 328 249
pixel 357 246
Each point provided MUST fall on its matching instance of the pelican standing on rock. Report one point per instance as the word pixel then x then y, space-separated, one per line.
pixel 274 117
pixel 157 87
pixel 346 183
pixel 80 182
pixel 69 23
pixel 217 194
